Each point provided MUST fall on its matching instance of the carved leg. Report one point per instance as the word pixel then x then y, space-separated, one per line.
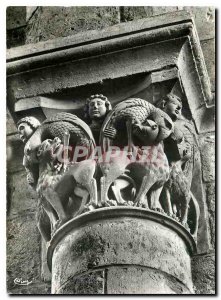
pixel 168 205
pixel 84 195
pixel 154 199
pixel 175 211
pixel 55 201
pixel 117 194
pixel 49 211
pixel 92 189
pixel 141 199
pixel 105 184
pixel 43 223
pixel 184 210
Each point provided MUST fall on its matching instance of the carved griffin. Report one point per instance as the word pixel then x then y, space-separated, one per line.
pixel 58 187
pixel 136 122
pixel 145 124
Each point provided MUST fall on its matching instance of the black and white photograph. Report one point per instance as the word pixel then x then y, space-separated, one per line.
pixel 110 150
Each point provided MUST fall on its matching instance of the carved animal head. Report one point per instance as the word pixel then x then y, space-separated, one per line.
pixel 48 150
pixel 146 132
pixel 165 123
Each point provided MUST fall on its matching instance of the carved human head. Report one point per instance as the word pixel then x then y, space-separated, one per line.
pixel 96 107
pixel 172 105
pixel 26 127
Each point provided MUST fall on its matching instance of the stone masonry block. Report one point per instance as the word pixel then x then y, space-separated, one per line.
pixel 21 198
pixel 203 270
pixel 54 21
pixel 211 203
pixel 207 145
pixel 208 48
pixel 32 289
pixel 23 251
pixel 137 280
pixel 130 13
pixel 204 18
pixel 89 283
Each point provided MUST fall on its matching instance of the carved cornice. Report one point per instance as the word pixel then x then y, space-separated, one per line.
pixel 142 46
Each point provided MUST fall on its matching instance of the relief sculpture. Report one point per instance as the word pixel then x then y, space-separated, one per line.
pixel 134 154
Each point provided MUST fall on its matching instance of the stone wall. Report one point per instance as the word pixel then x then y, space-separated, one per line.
pixel 35 24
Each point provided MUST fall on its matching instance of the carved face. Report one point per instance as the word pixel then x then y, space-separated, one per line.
pixel 173 109
pixel 147 132
pixel 97 108
pixel 25 131
pixel 48 148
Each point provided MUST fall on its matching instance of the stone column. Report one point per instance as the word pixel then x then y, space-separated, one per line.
pixel 121 251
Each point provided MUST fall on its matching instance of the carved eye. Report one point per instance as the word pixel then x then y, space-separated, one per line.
pixel 21 127
pixel 39 152
pixel 154 127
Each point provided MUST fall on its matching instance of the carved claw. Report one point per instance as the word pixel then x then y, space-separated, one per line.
pixel 110 202
pixel 142 202
pixel 158 209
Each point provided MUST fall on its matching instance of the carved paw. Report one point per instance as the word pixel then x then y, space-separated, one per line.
pixel 110 202
pixel 142 203
pixel 158 209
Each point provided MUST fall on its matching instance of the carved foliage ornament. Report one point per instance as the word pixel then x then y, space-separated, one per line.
pixel 135 154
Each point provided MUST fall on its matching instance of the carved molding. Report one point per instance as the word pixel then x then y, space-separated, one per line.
pixel 147 45
pixel 115 213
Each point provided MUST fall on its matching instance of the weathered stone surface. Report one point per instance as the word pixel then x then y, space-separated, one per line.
pixel 23 198
pixel 210 191
pixel 203 270
pixel 207 145
pixel 51 22
pixel 10 124
pixel 14 153
pixel 211 203
pixel 89 283
pixel 23 251
pixel 32 289
pixel 30 10
pixel 159 10
pixel 137 280
pixel 45 273
pixel 208 48
pixel 130 13
pixel 15 17
pixel 15 24
pixel 204 18
pixel 120 241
